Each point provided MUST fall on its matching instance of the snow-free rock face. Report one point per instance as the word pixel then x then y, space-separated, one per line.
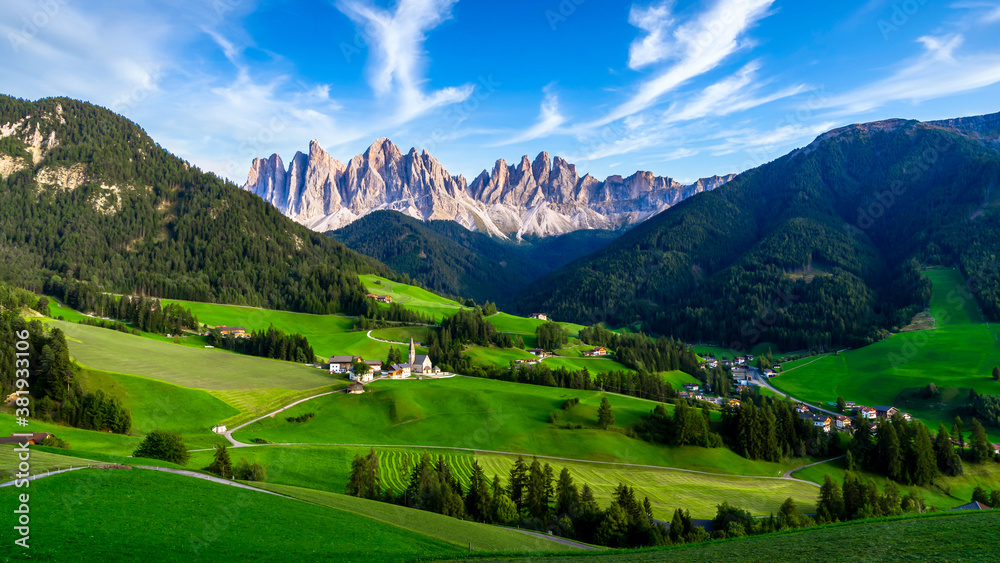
pixel 543 197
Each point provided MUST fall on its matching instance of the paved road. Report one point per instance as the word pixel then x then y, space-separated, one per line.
pixel 760 380
pixel 557 539
pixel 46 474
pixel 237 444
pixel 386 341
pixel 788 474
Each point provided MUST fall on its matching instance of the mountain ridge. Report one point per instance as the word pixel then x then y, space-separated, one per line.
pixel 540 197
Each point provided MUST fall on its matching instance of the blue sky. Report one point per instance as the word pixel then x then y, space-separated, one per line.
pixel 684 89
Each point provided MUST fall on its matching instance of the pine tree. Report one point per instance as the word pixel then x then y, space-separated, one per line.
pixel 831 502
pixel 478 502
pixel 372 479
pixel 841 404
pixel 996 373
pixel 518 482
pixel 957 431
pixel 605 417
pixel 925 465
pixel 982 450
pixel 535 493
pixel 567 496
pixel 948 461
pixel 221 464
pixel 891 451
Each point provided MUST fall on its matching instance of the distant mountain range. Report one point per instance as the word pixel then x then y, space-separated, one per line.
pixel 452 260
pixel 822 247
pixel 543 197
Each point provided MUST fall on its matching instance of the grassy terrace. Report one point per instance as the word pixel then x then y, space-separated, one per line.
pixel 957 355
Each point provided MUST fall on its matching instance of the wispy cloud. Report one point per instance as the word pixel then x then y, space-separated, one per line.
pixel 549 119
pixel 397 61
pixel 937 72
pixel 697 46
pixel 733 94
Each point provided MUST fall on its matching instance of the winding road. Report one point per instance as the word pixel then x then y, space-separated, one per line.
pixel 759 379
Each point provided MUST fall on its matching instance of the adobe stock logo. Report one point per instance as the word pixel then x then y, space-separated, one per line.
pixel 901 14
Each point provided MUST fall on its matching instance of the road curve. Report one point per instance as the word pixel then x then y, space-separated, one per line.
pixel 237 444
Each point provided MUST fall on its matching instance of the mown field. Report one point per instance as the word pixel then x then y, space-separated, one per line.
pixel 481 414
pixel 958 537
pixel 327 468
pixel 669 490
pixel 959 353
pixel 174 518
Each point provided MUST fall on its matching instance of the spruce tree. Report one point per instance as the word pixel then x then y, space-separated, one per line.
pixel 948 461
pixel 567 496
pixel 518 482
pixel 221 464
pixel 925 464
pixel 605 417
pixel 982 449
pixel 996 373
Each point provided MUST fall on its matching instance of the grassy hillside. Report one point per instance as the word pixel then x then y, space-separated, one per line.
pixel 964 536
pixel 183 519
pixel 449 530
pixel 958 354
pixel 412 297
pixel 482 414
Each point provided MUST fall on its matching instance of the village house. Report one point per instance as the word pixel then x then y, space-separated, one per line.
pixel 526 361
pixel 769 372
pixel 821 421
pixel 883 411
pixel 366 377
pixel 868 412
pixel 800 408
pixel 727 362
pixel 843 423
pixel 219 429
pixel 375 367
pixel 599 351
pixel 380 298
pixel 777 367
pixel 234 331
pixel 342 364
pixel 691 386
pixel 684 395
pixel 540 316
pixel 355 388
pixel 849 405
pixel 33 438
pixel 540 353
pixel 733 403
pixel 996 448
pixel 974 505
pixel 399 371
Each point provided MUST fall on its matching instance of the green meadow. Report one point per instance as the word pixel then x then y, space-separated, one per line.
pixel 412 297
pixel 80 440
pixel 158 405
pixel 482 414
pixel 958 536
pixel 176 518
pixel 329 335
pixel 959 353
pixel 678 378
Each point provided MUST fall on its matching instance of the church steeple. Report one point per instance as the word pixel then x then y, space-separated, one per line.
pixel 413 353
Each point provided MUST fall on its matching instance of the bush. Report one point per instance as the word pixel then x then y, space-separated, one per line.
pixel 246 471
pixel 163 445
pixel 553 417
pixel 301 418
pixel 54 441
pixel 570 403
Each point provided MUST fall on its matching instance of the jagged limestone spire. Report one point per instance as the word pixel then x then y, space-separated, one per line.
pixel 413 352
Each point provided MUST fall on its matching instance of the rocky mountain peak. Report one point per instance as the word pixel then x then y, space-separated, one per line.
pixel 544 196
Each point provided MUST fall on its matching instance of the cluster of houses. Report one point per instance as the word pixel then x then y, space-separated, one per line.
pixel 418 364
pixel 380 298
pixel 540 316
pixel 234 331
pixel 599 351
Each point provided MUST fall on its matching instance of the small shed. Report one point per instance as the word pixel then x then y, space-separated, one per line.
pixel 355 388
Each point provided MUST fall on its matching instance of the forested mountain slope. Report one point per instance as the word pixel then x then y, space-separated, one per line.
pixel 87 195
pixel 448 258
pixel 819 247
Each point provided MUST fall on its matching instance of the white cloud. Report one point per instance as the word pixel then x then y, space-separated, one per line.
pixel 549 119
pixel 699 45
pixel 656 21
pixel 937 72
pixel 397 60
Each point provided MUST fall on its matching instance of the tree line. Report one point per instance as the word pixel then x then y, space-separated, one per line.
pixel 271 343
